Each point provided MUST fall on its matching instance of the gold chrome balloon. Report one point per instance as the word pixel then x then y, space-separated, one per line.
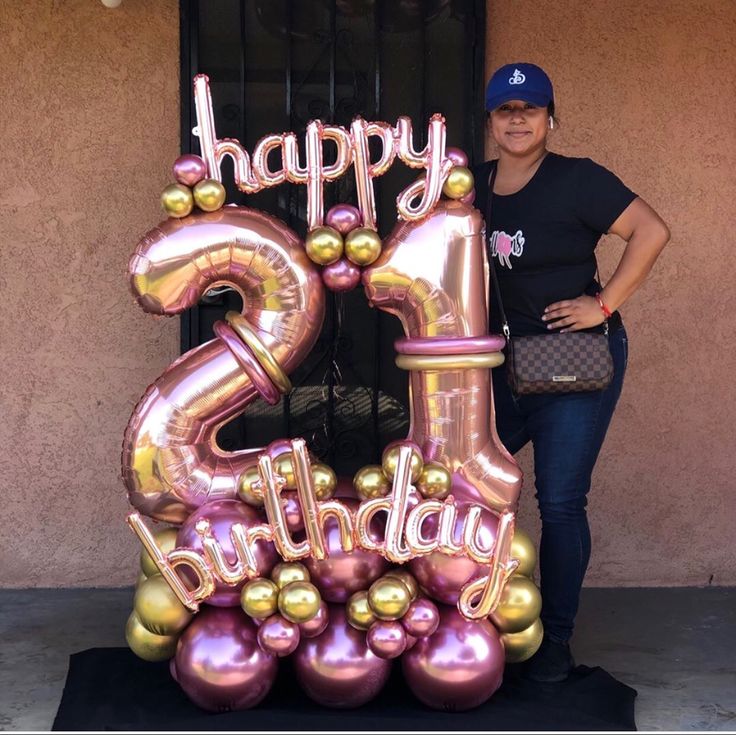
pixel 177 200
pixel 259 598
pixel 370 482
pixel 147 645
pixel 435 481
pixel 299 601
pixel 209 195
pixel 324 245
pixel 389 598
pixel 158 609
pixel 524 644
pixel 166 541
pixel 246 492
pixel 287 572
pixel 523 549
pixel 391 457
pixel 408 580
pixel 459 183
pixel 358 611
pixel 325 481
pixel 283 466
pixel 362 246
pixel 519 606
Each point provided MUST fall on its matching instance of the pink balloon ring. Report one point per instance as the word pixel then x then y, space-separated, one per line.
pixel 458 156
pixel 341 275
pixel 189 169
pixel 343 217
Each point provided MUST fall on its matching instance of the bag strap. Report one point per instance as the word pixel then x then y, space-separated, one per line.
pixel 494 275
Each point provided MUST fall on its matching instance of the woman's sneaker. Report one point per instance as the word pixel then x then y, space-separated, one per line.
pixel 553 662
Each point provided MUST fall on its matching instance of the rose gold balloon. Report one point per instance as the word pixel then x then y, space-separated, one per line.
pixel 453 420
pixel 343 217
pixel 293 511
pixel 189 169
pixel 469 198
pixel 341 276
pixel 422 618
pixel 337 669
pixel 278 636
pixel 386 638
pixel 171 463
pixel 342 573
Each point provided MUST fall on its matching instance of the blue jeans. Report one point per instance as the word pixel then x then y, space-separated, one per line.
pixel 567 432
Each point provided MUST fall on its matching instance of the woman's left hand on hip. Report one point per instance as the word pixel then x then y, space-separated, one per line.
pixel 574 314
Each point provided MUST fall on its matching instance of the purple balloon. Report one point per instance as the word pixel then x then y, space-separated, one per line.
pixel 457 156
pixel 314 627
pixel 386 638
pixel 422 618
pixel 337 669
pixel 172 669
pixel 411 641
pixel 342 573
pixel 457 668
pixel 220 665
pixel 278 636
pixel 341 275
pixel 222 514
pixel 442 576
pixel 343 217
pixel 189 169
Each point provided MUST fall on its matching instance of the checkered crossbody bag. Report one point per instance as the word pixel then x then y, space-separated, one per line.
pixel 564 362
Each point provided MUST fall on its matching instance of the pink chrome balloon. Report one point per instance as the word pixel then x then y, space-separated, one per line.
pixel 386 638
pixel 222 514
pixel 442 576
pixel 337 669
pixel 172 669
pixel 278 636
pixel 341 275
pixel 411 641
pixel 189 169
pixel 220 665
pixel 171 462
pixel 343 573
pixel 453 419
pixel 457 668
pixel 421 619
pixel 457 156
pixel 314 627
pixel 292 511
pixel 469 198
pixel 343 217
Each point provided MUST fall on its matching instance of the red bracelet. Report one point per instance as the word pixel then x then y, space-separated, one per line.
pixel 606 311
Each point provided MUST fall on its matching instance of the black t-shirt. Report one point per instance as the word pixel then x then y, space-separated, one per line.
pixel 543 237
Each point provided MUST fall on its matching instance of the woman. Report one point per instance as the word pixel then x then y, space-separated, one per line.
pixel 547 214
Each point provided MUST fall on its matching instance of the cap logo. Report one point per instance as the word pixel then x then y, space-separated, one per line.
pixel 517 77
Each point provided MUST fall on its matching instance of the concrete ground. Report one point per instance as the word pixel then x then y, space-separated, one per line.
pixel 675 646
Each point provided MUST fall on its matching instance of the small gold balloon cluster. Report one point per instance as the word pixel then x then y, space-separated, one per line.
pixel 517 614
pixel 192 188
pixel 342 246
pixel 323 478
pixel 432 480
pixel 392 614
pixel 158 618
pixel 285 607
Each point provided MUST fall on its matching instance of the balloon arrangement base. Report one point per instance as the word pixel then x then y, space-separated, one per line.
pixel 112 689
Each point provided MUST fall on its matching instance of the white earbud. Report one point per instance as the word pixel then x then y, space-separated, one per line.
pixel 551 123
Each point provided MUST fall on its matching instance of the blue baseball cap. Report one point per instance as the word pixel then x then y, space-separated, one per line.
pixel 526 82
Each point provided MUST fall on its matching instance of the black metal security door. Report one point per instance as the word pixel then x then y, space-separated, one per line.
pixel 274 65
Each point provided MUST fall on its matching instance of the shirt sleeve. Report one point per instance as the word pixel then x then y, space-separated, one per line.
pixel 480 177
pixel 601 195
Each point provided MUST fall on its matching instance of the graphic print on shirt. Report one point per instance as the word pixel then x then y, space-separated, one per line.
pixel 503 246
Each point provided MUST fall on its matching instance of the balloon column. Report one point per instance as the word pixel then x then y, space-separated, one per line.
pixel 261 559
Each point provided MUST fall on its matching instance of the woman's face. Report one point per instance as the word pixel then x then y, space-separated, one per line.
pixel 519 127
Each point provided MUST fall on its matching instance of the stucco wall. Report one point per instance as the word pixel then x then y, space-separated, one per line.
pixel 649 90
pixel 90 128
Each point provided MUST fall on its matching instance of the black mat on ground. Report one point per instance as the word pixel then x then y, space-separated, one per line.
pixel 111 689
